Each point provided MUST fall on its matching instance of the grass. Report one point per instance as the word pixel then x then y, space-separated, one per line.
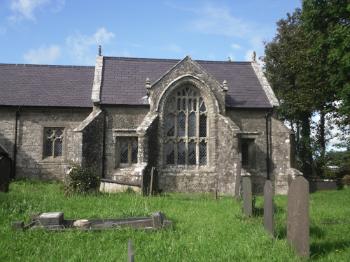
pixel 204 229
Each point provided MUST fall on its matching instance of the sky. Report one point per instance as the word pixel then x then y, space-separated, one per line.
pixel 69 31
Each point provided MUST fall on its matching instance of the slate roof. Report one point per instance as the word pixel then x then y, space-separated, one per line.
pixel 123 82
pixel 46 85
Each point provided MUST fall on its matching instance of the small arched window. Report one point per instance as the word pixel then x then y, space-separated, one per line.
pixel 185 128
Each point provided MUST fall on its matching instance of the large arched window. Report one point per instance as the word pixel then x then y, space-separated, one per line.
pixel 185 128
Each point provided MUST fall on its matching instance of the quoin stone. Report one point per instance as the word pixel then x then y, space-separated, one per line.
pixel 298 225
pixel 268 207
pixel 247 195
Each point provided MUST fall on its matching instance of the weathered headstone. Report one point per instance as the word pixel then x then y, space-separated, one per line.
pixel 238 181
pixel 268 207
pixel 51 218
pixel 157 219
pixel 247 195
pixel 298 216
pixel 130 252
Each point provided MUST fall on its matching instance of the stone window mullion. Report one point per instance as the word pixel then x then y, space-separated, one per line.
pixel 197 132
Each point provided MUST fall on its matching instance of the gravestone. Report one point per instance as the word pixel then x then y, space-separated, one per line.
pixel 268 207
pixel 157 219
pixel 238 181
pixel 130 252
pixel 298 216
pixel 247 195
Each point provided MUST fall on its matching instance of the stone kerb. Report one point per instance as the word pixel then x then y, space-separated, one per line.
pixel 298 216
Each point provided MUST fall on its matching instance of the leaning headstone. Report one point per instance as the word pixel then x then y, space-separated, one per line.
pixel 268 207
pixel 130 252
pixel 298 216
pixel 247 195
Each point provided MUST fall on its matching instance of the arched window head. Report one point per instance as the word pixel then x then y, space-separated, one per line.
pixel 185 128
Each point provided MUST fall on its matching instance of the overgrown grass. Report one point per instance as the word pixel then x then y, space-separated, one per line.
pixel 204 229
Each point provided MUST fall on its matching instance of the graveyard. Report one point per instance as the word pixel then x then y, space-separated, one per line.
pixel 204 228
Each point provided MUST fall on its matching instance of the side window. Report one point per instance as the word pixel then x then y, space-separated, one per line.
pixel 126 151
pixel 248 152
pixel 53 142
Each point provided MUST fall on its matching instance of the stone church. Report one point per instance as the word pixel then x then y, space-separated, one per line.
pixel 196 126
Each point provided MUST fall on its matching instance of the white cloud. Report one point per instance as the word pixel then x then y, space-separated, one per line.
pixel 235 46
pixel 43 55
pixel 26 9
pixel 219 21
pixel 173 48
pixel 83 48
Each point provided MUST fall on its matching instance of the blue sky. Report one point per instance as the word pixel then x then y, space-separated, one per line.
pixel 68 31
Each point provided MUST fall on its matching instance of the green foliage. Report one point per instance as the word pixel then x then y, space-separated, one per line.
pixel 340 160
pixel 308 65
pixel 346 180
pixel 327 24
pixel 81 180
pixel 204 229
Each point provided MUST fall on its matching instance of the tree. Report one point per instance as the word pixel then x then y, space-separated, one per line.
pixel 287 65
pixel 327 23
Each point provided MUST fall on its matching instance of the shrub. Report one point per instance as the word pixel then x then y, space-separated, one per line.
pixel 82 181
pixel 346 180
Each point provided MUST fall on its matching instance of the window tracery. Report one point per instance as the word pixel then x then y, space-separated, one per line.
pixel 185 128
pixel 53 141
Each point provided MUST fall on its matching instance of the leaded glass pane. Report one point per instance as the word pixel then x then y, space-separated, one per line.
pixel 48 147
pixel 171 106
pixel 124 151
pixel 170 125
pixel 192 153
pixel 58 133
pixel 189 104
pixel 181 154
pixel 181 124
pixel 202 125
pixel 202 153
pixel 49 133
pixel 169 153
pixel 58 147
pixel 192 124
pixel 134 148
pixel 202 107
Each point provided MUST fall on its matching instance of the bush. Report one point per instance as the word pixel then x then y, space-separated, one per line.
pixel 82 181
pixel 346 180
